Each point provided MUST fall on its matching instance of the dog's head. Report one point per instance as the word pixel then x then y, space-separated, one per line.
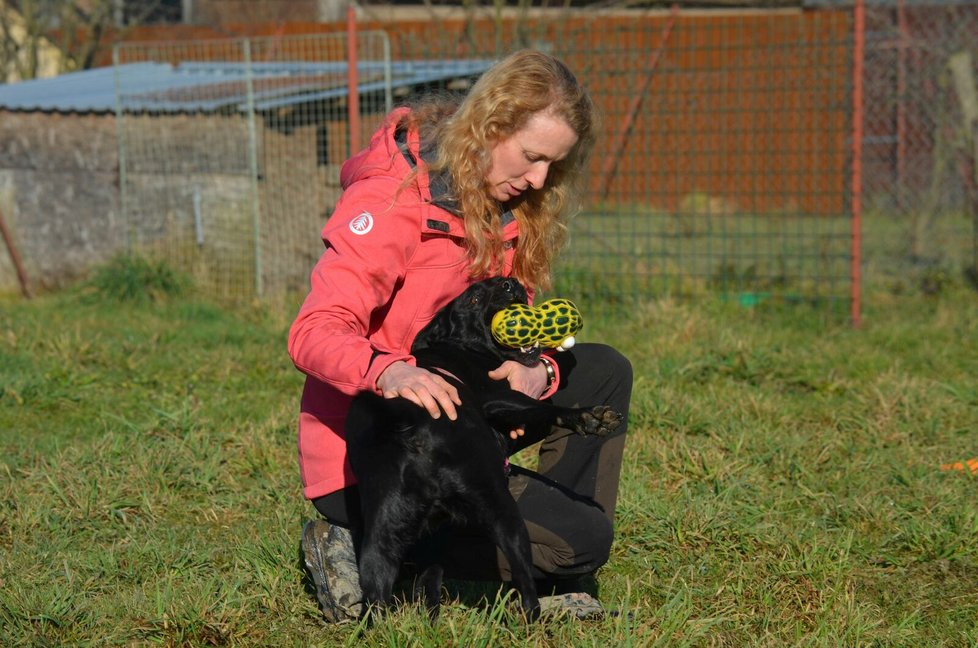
pixel 466 321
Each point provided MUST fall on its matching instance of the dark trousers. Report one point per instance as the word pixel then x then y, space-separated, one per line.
pixel 568 503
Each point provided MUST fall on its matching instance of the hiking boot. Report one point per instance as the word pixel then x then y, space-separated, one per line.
pixel 331 560
pixel 579 605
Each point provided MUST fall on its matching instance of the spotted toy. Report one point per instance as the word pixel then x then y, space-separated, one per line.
pixel 552 324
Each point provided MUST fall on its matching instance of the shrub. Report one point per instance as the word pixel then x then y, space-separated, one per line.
pixel 134 278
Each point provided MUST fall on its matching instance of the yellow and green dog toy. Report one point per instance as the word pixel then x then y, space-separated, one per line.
pixel 552 324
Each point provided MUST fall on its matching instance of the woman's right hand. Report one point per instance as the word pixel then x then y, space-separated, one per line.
pixel 421 387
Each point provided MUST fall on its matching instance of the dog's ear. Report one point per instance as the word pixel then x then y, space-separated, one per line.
pixel 445 324
pixel 462 320
pixel 437 329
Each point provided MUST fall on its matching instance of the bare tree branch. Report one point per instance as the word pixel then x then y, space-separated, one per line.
pixel 72 32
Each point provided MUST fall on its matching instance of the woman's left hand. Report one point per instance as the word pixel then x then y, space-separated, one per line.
pixel 531 381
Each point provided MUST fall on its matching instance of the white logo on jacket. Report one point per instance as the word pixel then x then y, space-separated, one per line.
pixel 362 224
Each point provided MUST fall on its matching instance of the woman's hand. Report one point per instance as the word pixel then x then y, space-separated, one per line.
pixel 531 381
pixel 421 387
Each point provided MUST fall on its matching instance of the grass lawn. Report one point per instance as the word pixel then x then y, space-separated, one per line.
pixel 782 483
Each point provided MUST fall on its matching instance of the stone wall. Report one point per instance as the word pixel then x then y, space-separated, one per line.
pixel 189 196
pixel 58 194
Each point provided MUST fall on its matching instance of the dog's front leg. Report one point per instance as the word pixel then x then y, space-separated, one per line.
pixel 429 553
pixel 516 409
pixel 510 535
pixel 378 571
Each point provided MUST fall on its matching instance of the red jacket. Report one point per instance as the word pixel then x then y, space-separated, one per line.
pixel 393 258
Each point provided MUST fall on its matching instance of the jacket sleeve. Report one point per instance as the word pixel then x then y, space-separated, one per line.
pixel 369 240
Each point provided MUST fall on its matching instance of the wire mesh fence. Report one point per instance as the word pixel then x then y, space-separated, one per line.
pixel 723 166
pixel 230 149
pixel 725 163
pixel 921 138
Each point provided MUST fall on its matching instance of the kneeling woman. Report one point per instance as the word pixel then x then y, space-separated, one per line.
pixel 446 193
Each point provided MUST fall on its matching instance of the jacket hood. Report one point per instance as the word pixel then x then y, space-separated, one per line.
pixel 382 157
pixel 393 153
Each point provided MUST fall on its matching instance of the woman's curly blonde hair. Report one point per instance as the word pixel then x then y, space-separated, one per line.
pixel 499 104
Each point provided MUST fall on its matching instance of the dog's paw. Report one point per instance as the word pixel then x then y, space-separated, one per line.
pixel 599 420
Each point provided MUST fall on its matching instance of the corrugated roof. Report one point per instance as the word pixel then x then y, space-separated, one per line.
pixel 211 86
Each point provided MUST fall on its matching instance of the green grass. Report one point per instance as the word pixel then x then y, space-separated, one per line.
pixel 782 482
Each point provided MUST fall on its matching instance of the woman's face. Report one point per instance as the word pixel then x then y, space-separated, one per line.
pixel 523 159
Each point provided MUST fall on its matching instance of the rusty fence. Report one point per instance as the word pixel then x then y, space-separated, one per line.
pixel 724 166
pixel 781 156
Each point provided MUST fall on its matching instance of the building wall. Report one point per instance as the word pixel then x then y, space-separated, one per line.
pixel 188 194
pixel 220 12
pixel 58 194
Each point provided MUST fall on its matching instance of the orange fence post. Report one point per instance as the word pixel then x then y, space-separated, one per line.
pixel 858 52
pixel 8 238
pixel 353 81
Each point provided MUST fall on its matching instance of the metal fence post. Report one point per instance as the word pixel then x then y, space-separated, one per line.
pixel 253 165
pixel 388 74
pixel 353 83
pixel 121 151
pixel 859 34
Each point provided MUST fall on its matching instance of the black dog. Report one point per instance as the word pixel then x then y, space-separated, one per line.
pixel 416 473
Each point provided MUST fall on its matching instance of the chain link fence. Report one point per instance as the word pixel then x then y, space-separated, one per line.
pixel 725 165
